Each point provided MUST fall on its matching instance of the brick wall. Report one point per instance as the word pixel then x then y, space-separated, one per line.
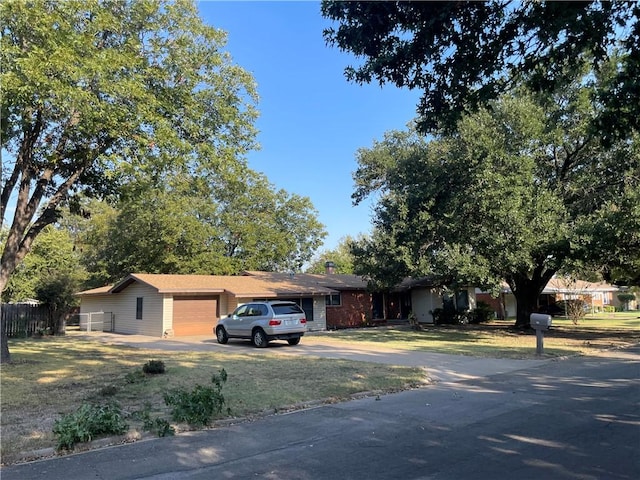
pixel 355 310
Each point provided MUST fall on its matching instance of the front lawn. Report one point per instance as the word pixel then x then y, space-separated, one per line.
pixel 53 376
pixel 498 339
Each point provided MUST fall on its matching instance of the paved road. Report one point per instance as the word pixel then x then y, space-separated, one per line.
pixel 577 418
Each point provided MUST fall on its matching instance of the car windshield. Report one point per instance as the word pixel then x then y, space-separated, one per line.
pixel 286 308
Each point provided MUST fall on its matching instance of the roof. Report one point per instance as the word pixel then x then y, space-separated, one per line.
pixel 332 281
pixel 96 291
pixel 565 285
pixel 239 286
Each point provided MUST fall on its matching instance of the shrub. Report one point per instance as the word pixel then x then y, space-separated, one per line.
pixel 88 422
pixel 199 406
pixel 483 313
pixel 137 376
pixel 153 367
pixel 159 426
pixel 446 316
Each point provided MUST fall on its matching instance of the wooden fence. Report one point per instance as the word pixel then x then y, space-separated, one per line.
pixel 24 320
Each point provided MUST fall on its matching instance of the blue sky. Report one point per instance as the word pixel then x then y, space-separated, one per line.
pixel 312 120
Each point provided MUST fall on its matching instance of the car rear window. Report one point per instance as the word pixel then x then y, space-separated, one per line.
pixel 286 308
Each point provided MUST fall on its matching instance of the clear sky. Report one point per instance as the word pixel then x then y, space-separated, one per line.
pixel 312 120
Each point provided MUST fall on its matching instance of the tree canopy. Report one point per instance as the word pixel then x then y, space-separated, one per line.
pixel 52 256
pixel 191 227
pixel 341 257
pixel 465 54
pixel 521 191
pixel 95 93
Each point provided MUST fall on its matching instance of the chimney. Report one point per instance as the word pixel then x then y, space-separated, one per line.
pixel 329 268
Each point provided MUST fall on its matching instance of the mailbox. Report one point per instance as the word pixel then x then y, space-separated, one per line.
pixel 540 321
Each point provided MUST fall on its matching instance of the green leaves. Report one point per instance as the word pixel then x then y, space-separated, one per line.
pixel 462 56
pixel 519 192
pixel 99 94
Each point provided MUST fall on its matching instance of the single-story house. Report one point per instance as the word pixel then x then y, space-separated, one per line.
pixel 597 295
pixel 179 305
pixel 350 304
pixel 167 305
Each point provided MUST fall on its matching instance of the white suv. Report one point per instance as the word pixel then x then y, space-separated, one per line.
pixel 262 322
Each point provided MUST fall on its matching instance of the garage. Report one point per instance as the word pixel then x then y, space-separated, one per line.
pixel 194 315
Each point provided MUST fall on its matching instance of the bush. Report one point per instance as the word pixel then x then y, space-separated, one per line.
pixel 483 313
pixel 199 406
pixel 159 426
pixel 443 316
pixel 153 367
pixel 88 422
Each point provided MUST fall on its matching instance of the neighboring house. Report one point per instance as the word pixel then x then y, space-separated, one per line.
pixel 596 295
pixel 168 305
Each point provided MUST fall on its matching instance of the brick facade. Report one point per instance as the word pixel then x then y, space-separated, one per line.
pixel 355 310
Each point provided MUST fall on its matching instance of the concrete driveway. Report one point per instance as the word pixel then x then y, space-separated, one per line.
pixel 439 367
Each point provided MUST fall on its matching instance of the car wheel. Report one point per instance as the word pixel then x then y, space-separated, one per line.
pixel 260 339
pixel 221 335
pixel 294 341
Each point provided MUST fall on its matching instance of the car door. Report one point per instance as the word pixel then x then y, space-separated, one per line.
pixel 236 320
pixel 253 316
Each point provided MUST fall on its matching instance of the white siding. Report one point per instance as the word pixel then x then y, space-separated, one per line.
pixel 167 315
pixel 424 301
pixel 123 307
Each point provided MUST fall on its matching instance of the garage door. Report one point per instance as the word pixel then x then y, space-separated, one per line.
pixel 194 315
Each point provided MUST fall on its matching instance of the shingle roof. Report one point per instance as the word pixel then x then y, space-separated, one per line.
pixel 96 291
pixel 565 285
pixel 333 281
pixel 240 286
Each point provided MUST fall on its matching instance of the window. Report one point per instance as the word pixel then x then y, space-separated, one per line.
pixel 286 309
pixel 462 300
pixel 333 300
pixel 139 308
pixel 242 311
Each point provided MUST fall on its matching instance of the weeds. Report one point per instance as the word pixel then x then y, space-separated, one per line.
pixel 198 406
pixel 88 422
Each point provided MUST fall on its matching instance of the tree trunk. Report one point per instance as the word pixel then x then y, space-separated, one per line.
pixel 526 304
pixel 5 355
pixel 527 291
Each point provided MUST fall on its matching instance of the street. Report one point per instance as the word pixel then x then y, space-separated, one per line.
pixel 577 418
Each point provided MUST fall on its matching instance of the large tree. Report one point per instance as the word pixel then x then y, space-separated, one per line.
pixel 52 256
pixel 97 92
pixel 341 256
pixel 521 191
pixel 191 227
pixel 464 54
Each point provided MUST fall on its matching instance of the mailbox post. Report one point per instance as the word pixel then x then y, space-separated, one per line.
pixel 540 323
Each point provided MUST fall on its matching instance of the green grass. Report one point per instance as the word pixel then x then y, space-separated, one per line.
pixel 498 339
pixel 53 376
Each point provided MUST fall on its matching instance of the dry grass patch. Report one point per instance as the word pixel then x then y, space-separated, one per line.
pixel 498 339
pixel 53 376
